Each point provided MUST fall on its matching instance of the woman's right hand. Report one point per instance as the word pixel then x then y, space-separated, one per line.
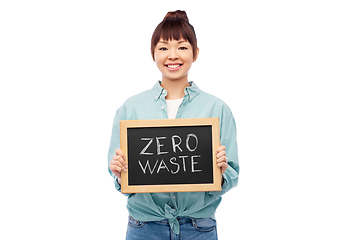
pixel 118 164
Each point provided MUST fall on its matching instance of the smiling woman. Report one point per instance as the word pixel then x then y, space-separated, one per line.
pixel 159 215
pixel 174 59
pixel 174 49
pixel 175 26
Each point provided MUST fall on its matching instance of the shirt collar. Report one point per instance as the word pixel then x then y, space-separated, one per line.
pixel 157 91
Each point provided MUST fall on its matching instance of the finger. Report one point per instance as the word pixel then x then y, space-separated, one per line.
pixel 220 154
pixel 120 153
pixel 119 164
pixel 223 166
pixel 115 169
pixel 221 159
pixel 123 163
pixel 121 160
pixel 116 162
pixel 221 148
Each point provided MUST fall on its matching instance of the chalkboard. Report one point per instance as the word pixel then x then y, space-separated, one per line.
pixel 170 155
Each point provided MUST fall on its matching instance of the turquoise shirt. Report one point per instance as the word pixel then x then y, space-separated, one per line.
pixel 196 104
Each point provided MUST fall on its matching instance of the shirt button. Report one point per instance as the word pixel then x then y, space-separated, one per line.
pixel 162 107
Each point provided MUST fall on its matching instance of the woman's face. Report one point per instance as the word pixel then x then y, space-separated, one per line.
pixel 174 58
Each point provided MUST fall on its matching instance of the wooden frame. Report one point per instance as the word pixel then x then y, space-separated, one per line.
pixel 214 122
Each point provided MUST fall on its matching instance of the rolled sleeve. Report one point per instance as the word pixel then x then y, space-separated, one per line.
pixel 228 139
pixel 115 144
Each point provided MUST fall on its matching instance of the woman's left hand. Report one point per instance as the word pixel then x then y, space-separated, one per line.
pixel 221 159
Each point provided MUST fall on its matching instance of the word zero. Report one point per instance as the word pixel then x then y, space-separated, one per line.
pixel 174 144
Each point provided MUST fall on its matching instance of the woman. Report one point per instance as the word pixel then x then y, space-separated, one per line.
pixel 182 215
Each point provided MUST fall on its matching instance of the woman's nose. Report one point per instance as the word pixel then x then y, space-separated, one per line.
pixel 172 55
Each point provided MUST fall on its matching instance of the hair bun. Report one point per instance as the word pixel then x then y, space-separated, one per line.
pixel 177 14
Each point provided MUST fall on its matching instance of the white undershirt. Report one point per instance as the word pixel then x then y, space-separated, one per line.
pixel 172 107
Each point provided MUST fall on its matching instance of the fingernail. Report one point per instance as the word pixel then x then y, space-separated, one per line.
pixel 125 166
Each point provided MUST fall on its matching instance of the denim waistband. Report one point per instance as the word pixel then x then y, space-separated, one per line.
pixel 181 220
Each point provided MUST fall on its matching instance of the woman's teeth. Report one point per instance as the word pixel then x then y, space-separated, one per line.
pixel 173 66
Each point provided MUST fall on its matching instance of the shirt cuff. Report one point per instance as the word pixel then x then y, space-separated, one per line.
pixel 117 185
pixel 224 188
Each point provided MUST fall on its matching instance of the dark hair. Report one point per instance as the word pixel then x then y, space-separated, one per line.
pixel 174 26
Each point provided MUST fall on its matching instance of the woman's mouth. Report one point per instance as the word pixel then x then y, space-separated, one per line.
pixel 173 67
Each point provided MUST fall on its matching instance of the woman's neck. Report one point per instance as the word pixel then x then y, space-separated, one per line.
pixel 174 88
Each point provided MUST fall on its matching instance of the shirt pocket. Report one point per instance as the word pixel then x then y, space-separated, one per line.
pixel 135 224
pixel 204 225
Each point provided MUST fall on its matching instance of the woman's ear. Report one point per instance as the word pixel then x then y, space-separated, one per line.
pixel 197 54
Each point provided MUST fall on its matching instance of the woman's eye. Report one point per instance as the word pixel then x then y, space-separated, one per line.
pixel 163 49
pixel 183 48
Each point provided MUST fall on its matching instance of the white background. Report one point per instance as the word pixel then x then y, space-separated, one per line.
pixel 289 70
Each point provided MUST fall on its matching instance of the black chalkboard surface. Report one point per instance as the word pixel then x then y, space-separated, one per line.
pixel 170 155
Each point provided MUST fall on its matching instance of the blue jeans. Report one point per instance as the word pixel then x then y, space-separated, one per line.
pixel 190 229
